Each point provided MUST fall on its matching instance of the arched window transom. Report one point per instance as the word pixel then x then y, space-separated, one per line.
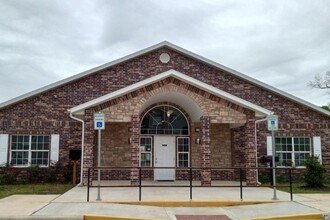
pixel 164 120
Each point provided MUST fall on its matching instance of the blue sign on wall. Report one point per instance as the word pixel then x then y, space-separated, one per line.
pixel 99 121
pixel 272 122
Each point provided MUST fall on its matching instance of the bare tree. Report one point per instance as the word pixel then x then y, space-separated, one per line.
pixel 321 82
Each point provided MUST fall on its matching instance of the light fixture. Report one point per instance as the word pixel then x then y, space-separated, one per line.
pixel 197 141
pixel 169 112
pixel 129 140
pixel 129 129
pixel 197 129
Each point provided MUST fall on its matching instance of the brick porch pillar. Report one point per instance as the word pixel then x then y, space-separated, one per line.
pixel 135 149
pixel 250 148
pixel 89 144
pixel 205 151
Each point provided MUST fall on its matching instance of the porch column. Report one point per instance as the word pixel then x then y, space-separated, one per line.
pixel 88 153
pixel 205 151
pixel 135 149
pixel 250 148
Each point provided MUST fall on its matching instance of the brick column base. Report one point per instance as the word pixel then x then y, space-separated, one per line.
pixel 250 148
pixel 206 177
pixel 251 177
pixel 135 150
pixel 205 151
pixel 134 176
pixel 88 153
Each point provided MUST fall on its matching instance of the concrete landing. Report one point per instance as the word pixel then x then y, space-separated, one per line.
pixel 73 205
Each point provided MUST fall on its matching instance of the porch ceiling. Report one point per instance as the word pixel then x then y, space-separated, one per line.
pixel 188 104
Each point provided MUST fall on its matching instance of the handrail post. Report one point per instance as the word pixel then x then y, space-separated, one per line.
pixel 241 183
pixel 88 176
pixel 140 182
pixel 190 177
pixel 290 178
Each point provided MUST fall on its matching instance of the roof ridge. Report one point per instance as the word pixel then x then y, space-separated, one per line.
pixel 154 47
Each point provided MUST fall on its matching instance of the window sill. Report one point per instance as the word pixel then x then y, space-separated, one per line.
pixel 29 166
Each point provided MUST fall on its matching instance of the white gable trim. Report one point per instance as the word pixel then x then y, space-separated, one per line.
pixel 179 49
pixel 82 74
pixel 171 73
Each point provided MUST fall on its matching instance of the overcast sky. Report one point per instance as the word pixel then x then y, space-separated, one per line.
pixel 282 43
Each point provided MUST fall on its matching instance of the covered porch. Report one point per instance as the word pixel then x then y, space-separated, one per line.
pixel 217 130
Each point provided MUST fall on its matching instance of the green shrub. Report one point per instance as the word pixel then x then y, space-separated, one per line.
pixel 282 178
pixel 55 173
pixel 8 175
pixel 264 178
pixel 35 174
pixel 315 174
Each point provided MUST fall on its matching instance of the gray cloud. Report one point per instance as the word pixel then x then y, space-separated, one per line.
pixel 282 43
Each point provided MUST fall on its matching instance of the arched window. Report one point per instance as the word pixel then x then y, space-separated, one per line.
pixel 164 120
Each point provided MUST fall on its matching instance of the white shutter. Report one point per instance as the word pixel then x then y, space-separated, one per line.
pixel 317 147
pixel 3 149
pixel 269 145
pixel 54 148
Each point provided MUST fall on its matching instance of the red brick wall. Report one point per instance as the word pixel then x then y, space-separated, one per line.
pixel 47 113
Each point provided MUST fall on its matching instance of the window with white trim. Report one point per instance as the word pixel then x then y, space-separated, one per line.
pixel 145 151
pixel 164 119
pixel 30 150
pixel 292 151
pixel 183 152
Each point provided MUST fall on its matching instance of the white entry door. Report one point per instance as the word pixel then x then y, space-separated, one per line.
pixel 164 157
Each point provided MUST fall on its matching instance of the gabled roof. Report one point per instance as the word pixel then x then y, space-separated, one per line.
pixel 260 111
pixel 180 50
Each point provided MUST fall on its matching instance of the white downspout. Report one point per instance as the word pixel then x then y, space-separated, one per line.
pixel 82 147
pixel 256 143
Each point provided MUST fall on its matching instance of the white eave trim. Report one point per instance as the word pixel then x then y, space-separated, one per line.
pixel 250 79
pixel 180 50
pixel 82 74
pixel 171 73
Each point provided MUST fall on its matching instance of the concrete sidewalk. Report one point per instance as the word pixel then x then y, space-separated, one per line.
pixel 73 205
pixel 317 201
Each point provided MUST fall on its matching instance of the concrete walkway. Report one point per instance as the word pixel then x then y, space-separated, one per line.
pixel 317 201
pixel 73 205
pixel 24 205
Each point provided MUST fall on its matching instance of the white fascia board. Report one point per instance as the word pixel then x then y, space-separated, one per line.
pixel 180 50
pixel 250 79
pixel 119 92
pixel 171 73
pixel 225 95
pixel 80 75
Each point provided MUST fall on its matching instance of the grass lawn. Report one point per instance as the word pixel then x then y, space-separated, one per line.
pixel 300 188
pixel 7 190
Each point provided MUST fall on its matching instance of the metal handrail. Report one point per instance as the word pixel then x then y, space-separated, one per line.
pixel 190 169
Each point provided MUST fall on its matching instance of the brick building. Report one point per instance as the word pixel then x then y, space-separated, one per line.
pixel 164 107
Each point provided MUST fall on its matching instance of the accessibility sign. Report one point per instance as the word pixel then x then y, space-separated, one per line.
pixel 99 123
pixel 272 122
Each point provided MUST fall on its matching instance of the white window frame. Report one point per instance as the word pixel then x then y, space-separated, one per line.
pixel 293 152
pixel 183 152
pixel 29 150
pixel 141 151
